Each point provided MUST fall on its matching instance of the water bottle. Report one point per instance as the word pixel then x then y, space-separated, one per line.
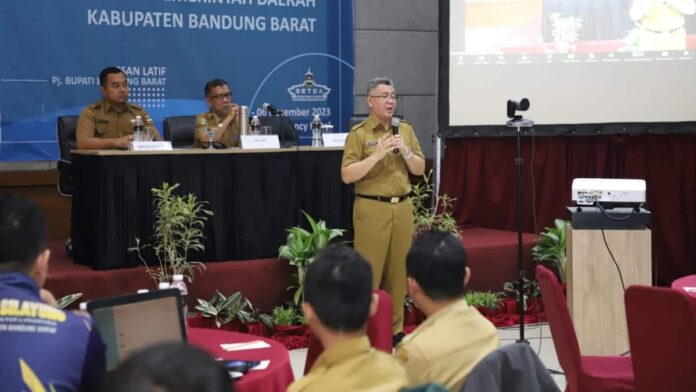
pixel 138 129
pixel 316 131
pixel 178 283
pixel 255 125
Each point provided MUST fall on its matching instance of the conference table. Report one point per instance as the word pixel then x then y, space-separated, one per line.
pixel 276 377
pixel 686 284
pixel 255 196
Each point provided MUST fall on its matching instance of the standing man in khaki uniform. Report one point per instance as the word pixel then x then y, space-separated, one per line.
pixel 661 23
pixel 223 116
pixel 338 300
pixel 379 163
pixel 108 123
pixel 455 336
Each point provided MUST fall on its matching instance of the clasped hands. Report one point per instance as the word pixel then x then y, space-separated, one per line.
pixel 386 144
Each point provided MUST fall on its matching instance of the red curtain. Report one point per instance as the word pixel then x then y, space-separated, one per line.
pixel 480 173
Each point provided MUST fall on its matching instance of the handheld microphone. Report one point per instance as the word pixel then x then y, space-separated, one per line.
pixel 395 129
pixel 270 109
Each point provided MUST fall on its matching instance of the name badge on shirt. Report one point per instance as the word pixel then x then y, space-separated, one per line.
pixel 372 143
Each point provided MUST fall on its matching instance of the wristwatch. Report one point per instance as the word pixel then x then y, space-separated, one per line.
pixel 409 153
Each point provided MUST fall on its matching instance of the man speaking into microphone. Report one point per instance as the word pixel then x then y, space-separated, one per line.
pixel 379 155
pixel 222 118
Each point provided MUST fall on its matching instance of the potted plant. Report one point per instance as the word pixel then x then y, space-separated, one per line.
pixel 485 301
pixel 301 247
pixel 530 289
pixel 287 320
pixel 428 215
pixel 178 231
pixel 234 312
pixel 551 247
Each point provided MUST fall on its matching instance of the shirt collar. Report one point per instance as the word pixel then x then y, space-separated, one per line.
pixel 460 305
pixel 20 280
pixel 344 350
pixel 373 123
pixel 108 106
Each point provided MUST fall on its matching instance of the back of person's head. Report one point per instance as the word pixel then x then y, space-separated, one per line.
pixel 338 286
pixel 104 74
pixel 437 262
pixel 22 233
pixel 169 367
pixel 212 83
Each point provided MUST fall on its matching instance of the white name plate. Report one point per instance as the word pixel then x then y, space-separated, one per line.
pixel 251 142
pixel 334 139
pixel 150 146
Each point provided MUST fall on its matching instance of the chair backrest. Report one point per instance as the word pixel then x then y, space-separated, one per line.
pixel 65 131
pixel 662 337
pixel 513 367
pixel 379 330
pixel 180 130
pixel 357 118
pixel 561 324
pixel 283 127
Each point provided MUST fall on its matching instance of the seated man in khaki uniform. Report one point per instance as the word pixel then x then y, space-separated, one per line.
pixel 108 123
pixel 223 116
pixel 661 23
pixel 338 300
pixel 455 336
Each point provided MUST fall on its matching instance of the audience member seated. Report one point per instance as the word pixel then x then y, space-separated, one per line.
pixel 43 348
pixel 108 123
pixel 455 336
pixel 338 299
pixel 222 118
pixel 169 367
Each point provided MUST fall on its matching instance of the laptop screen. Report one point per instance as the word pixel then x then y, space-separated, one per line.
pixel 132 322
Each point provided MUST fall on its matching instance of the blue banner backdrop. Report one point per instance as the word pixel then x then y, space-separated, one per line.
pixel 295 54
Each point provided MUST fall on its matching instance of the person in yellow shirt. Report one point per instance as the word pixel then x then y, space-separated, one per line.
pixel 661 23
pixel 338 300
pixel 108 123
pixel 379 163
pixel 223 116
pixel 455 336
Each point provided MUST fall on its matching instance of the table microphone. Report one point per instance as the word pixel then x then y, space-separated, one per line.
pixel 270 109
pixel 395 129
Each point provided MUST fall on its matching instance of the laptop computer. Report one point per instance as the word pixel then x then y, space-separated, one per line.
pixel 132 322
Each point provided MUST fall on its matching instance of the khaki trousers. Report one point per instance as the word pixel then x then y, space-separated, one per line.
pixel 383 236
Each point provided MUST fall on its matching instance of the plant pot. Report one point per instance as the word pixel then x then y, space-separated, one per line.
pixel 290 330
pixel 198 321
pixel 487 312
pixel 258 329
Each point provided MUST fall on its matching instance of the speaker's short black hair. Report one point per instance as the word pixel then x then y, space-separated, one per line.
pixel 338 285
pixel 108 71
pixel 217 82
pixel 437 261
pixel 22 233
pixel 169 367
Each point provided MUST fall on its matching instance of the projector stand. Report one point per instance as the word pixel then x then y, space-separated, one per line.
pixel 519 123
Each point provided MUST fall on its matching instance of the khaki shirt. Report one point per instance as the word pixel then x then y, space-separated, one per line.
pixel 353 365
pixel 103 120
pixel 389 177
pixel 230 135
pixel 447 345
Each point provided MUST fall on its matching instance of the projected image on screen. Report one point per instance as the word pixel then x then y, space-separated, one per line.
pixel 578 61
pixel 536 30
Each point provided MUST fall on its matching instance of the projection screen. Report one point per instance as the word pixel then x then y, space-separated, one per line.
pixel 578 61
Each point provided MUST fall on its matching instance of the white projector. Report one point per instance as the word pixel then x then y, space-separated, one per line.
pixel 609 192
